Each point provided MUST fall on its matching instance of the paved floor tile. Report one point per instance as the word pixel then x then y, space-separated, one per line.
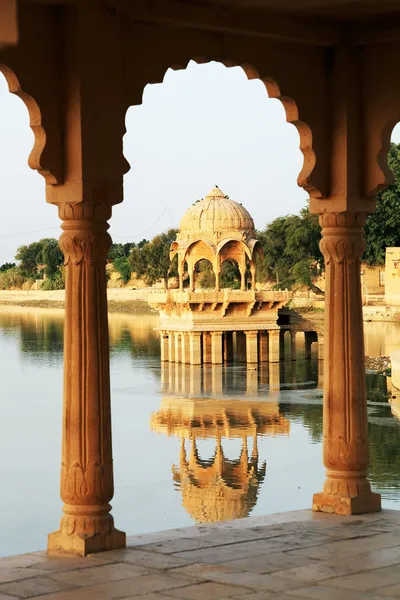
pixel 154 560
pixel 206 591
pixel 27 588
pixel 102 574
pixel 368 580
pixel 178 545
pixel 320 592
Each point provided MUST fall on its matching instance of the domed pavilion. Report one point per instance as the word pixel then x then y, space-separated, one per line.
pixel 213 325
pixel 216 229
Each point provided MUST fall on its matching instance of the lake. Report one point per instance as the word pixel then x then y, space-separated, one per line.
pixel 191 444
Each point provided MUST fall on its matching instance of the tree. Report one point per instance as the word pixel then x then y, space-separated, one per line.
pixel 382 228
pixel 6 266
pixel 291 251
pixel 120 250
pixel 151 259
pixel 230 275
pixel 28 257
pixel 123 267
pixel 51 256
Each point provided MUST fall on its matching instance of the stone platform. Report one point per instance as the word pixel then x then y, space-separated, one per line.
pixel 285 556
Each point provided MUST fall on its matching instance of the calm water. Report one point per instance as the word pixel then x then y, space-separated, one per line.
pixel 190 444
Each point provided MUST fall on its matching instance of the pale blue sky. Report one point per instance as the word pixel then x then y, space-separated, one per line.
pixel 202 126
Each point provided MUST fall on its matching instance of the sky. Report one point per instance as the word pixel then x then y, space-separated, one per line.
pixel 203 126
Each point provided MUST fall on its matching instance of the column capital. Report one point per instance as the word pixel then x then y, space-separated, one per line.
pixel 342 237
pixel 251 333
pixel 215 333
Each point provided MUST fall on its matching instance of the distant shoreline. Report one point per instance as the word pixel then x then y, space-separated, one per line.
pixel 120 300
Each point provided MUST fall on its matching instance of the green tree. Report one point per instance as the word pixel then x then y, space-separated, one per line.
pixel 206 275
pixel 28 258
pixel 382 228
pixel 6 266
pixel 151 259
pixel 51 256
pixel 230 275
pixel 120 250
pixel 291 251
pixel 122 265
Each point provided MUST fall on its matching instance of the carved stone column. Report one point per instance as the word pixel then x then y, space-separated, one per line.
pixel 216 347
pixel 87 470
pixel 251 347
pixel 171 346
pixel 274 339
pixel 346 489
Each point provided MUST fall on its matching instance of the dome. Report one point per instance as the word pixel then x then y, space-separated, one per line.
pixel 216 213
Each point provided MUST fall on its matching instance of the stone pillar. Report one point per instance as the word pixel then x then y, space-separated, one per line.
pixel 195 347
pixel 228 346
pixel 180 273
pixel 87 470
pixel 164 346
pixel 216 347
pixel 263 346
pixel 274 344
pixel 206 347
pixel 178 353
pixel 293 345
pixel 171 346
pixel 251 347
pixel 346 489
pixel 308 340
pixel 253 275
pixel 243 279
pixel 217 280
pixel 185 348
pixel 191 280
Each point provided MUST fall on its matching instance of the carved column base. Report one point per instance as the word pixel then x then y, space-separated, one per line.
pixel 80 535
pixel 347 495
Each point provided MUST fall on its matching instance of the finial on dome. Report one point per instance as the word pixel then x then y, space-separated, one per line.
pixel 216 192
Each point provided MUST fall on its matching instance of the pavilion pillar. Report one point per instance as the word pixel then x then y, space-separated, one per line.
pixel 253 275
pixel 164 346
pixel 216 347
pixel 206 347
pixel 263 346
pixel 185 348
pixel 171 346
pixel 293 345
pixel 216 379
pixel 195 347
pixel 87 470
pixel 243 279
pixel 274 338
pixel 178 352
pixel 346 489
pixel 251 347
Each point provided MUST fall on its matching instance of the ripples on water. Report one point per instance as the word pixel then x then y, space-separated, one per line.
pixel 191 444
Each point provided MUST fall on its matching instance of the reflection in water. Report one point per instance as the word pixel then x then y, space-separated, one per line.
pixel 243 441
pixel 216 488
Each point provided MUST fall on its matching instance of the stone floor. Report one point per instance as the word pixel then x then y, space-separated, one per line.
pixel 286 556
